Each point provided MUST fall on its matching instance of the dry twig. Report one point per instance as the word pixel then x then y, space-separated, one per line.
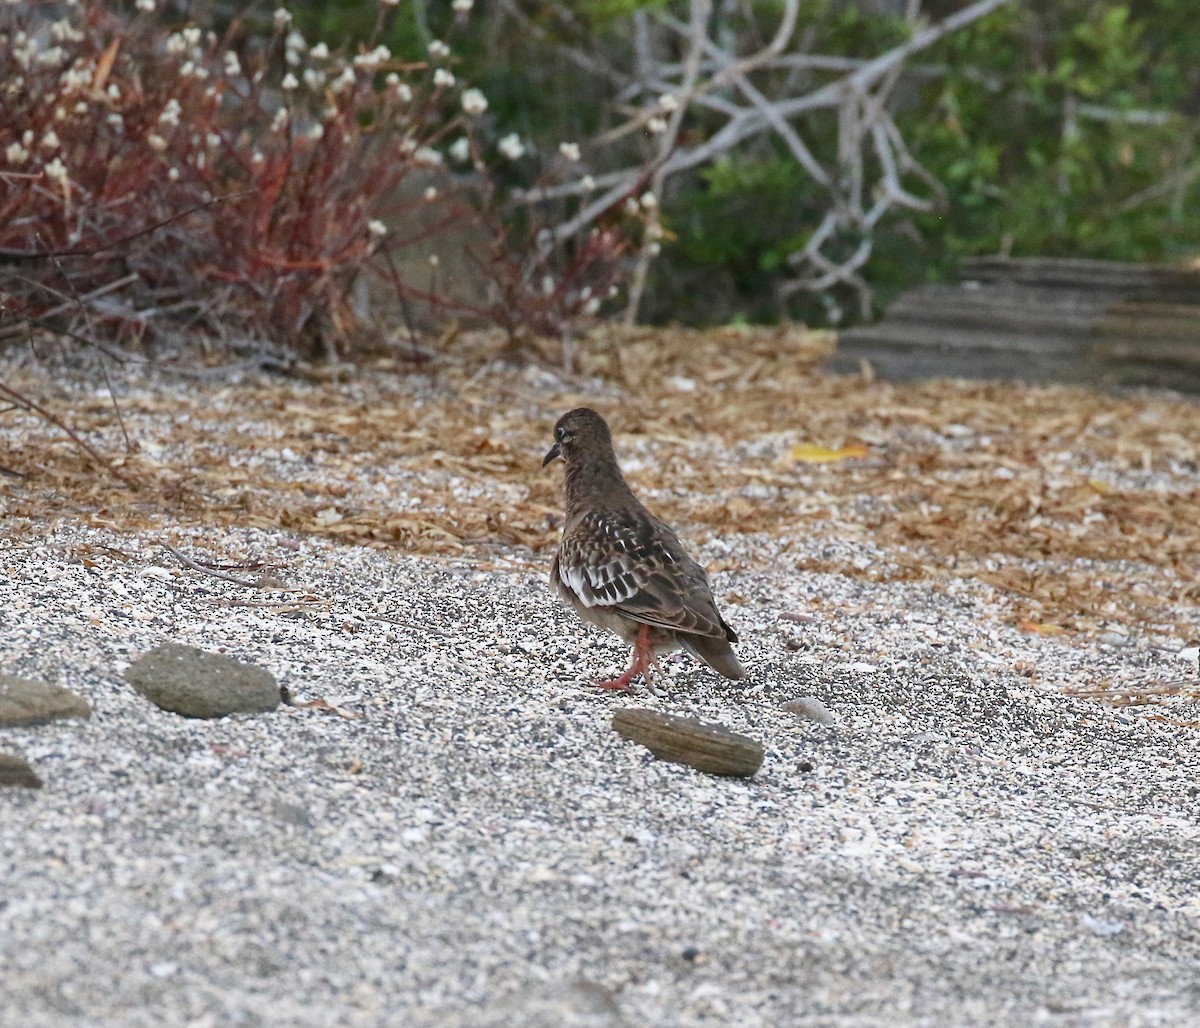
pixel 24 402
pixel 262 582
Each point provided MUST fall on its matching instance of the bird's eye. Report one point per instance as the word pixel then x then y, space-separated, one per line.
pixel 560 434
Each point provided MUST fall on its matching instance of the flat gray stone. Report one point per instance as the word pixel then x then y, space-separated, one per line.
pixel 194 683
pixel 26 701
pixel 16 773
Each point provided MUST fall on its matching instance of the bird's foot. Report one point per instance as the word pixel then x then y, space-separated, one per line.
pixel 643 660
pixel 618 684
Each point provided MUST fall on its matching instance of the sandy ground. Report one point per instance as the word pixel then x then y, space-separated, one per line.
pixel 459 838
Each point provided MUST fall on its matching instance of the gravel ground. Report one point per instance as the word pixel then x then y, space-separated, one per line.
pixel 462 839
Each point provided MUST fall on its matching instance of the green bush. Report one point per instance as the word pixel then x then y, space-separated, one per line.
pixel 1032 167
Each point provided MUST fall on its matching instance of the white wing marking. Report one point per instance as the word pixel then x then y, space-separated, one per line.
pixel 605 586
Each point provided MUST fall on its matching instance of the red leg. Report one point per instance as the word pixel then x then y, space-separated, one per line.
pixel 643 658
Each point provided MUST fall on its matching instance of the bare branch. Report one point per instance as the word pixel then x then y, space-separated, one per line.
pixel 16 256
pixel 750 97
pixel 264 581
pixel 700 12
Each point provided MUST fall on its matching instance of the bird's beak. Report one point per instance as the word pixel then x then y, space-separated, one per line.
pixel 554 454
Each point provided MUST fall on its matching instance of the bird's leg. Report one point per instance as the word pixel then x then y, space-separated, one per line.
pixel 643 658
pixel 649 659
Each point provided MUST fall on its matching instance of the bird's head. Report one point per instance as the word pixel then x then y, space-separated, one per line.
pixel 579 436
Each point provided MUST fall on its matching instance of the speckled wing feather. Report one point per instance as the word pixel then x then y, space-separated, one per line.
pixel 630 562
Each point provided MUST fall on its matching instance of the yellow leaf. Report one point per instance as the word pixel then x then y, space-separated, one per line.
pixel 810 453
pixel 1096 486
pixel 1032 626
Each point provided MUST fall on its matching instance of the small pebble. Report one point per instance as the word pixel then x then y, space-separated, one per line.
pixel 1100 927
pixel 811 708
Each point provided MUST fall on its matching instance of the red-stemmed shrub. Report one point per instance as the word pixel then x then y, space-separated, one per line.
pixel 158 179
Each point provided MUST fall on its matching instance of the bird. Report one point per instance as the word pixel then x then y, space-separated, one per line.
pixel 622 569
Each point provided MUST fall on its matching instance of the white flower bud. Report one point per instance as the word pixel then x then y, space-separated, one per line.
pixel 474 102
pixel 511 147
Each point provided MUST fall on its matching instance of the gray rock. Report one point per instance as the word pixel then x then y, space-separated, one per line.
pixel 25 701
pixel 194 683
pixel 811 708
pixel 15 772
pixel 580 1004
pixel 292 814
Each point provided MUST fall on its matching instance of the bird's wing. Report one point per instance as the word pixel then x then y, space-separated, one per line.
pixel 630 562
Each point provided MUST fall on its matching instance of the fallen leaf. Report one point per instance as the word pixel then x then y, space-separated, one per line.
pixel 811 453
pixel 1032 626
pixel 104 66
pixel 286 696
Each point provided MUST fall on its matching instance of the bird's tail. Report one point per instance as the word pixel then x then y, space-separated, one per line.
pixel 716 653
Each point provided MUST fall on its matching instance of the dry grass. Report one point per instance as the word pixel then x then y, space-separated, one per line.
pixel 1082 507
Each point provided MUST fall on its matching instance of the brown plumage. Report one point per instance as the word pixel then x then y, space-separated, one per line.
pixel 621 568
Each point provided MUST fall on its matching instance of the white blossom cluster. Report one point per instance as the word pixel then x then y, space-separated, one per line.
pixel 310 73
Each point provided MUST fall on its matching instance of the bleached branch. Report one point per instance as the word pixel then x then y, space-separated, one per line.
pixel 749 96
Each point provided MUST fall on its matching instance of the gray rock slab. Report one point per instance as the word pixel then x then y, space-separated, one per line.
pixel 26 701
pixel 195 683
